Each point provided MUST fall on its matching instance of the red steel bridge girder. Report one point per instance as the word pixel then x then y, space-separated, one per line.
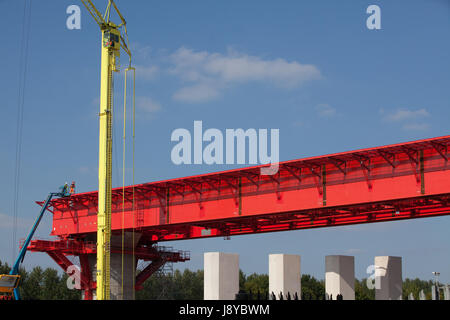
pixel 210 204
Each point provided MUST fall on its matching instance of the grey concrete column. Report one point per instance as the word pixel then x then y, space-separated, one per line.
pixel 422 295
pixel 122 289
pixel 435 294
pixel 388 278
pixel 116 260
pixel 447 292
pixel 340 277
pixel 284 275
pixel 220 276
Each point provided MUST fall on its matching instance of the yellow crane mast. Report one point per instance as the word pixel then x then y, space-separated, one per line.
pixel 113 39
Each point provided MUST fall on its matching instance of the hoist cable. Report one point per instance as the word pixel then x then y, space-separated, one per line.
pixel 123 177
pixel 23 64
pixel 133 204
pixel 123 171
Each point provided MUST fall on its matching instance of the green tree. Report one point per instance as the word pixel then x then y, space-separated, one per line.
pixel 255 283
pixel 177 286
pixel 50 284
pixel 30 287
pixel 242 279
pixel 362 292
pixel 312 289
pixel 414 286
pixel 157 287
pixel 64 293
pixel 188 285
pixel 4 268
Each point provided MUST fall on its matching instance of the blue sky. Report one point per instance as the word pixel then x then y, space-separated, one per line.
pixel 311 69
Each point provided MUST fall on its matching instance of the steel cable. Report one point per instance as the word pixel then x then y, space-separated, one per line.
pixel 23 65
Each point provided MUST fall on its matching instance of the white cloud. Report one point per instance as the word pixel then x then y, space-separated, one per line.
pixel 408 118
pixel 187 64
pixel 325 110
pixel 147 72
pixel 210 73
pixel 141 51
pixel 405 114
pixel 416 126
pixel 244 68
pixel 196 93
pixel 147 104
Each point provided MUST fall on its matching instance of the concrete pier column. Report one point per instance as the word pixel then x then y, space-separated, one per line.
pixel 340 277
pixel 116 277
pixel 284 275
pixel 447 292
pixel 221 276
pixel 116 267
pixel 422 295
pixel 388 278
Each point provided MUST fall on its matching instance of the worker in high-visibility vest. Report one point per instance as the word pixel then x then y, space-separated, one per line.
pixel 64 189
pixel 72 188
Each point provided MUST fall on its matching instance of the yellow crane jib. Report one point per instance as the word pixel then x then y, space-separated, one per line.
pixel 114 37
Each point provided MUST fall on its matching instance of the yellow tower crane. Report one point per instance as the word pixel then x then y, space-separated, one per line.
pixel 114 37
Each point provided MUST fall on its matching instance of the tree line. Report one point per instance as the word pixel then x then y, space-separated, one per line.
pixel 42 284
pixel 48 284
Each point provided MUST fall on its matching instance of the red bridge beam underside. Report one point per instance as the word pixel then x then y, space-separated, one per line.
pixel 410 208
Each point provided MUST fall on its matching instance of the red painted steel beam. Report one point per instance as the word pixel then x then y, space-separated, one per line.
pixel 65 263
pixel 305 193
pixel 86 278
pixel 58 248
pixel 148 271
